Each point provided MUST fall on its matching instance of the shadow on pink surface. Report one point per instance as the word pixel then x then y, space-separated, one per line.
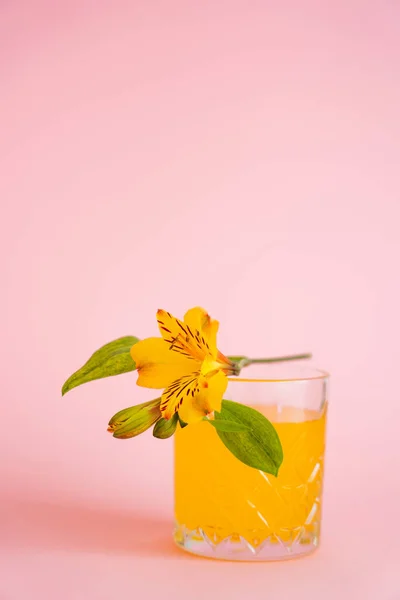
pixel 68 527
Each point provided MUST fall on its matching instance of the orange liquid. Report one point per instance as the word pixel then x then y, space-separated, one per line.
pixel 223 497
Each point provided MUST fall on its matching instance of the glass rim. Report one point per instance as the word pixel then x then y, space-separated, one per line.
pixel 317 374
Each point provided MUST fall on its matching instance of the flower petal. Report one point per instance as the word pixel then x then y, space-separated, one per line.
pixel 158 365
pixel 194 397
pixel 183 389
pixel 170 327
pixel 181 337
pixel 198 318
pixel 211 391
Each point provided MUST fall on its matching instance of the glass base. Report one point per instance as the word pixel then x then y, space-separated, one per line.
pixel 236 547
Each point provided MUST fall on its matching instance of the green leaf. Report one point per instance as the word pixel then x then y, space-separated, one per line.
pixel 130 422
pixel 163 429
pixel 222 425
pixel 182 423
pixel 112 359
pixel 260 447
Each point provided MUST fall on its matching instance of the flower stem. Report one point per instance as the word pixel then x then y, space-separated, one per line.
pixel 254 361
pixel 245 362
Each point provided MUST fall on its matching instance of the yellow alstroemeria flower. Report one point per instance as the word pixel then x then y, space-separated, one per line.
pixel 186 362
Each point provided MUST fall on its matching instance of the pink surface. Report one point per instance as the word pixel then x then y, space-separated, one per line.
pixel 239 155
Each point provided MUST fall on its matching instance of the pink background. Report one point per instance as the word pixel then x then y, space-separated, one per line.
pixel 241 155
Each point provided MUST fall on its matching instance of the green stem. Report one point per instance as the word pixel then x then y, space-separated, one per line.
pixel 254 361
pixel 245 362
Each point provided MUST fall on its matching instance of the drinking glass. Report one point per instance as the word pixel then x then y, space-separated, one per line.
pixel 227 510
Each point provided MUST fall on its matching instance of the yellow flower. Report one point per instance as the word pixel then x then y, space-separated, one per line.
pixel 186 362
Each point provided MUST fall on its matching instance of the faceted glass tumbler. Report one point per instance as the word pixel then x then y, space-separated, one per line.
pixel 227 510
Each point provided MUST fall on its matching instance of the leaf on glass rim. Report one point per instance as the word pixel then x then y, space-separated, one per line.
pixel 133 421
pixel 259 447
pixel 112 359
pixel 222 425
pixel 164 428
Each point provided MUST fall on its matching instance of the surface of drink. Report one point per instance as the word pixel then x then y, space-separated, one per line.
pixel 218 497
